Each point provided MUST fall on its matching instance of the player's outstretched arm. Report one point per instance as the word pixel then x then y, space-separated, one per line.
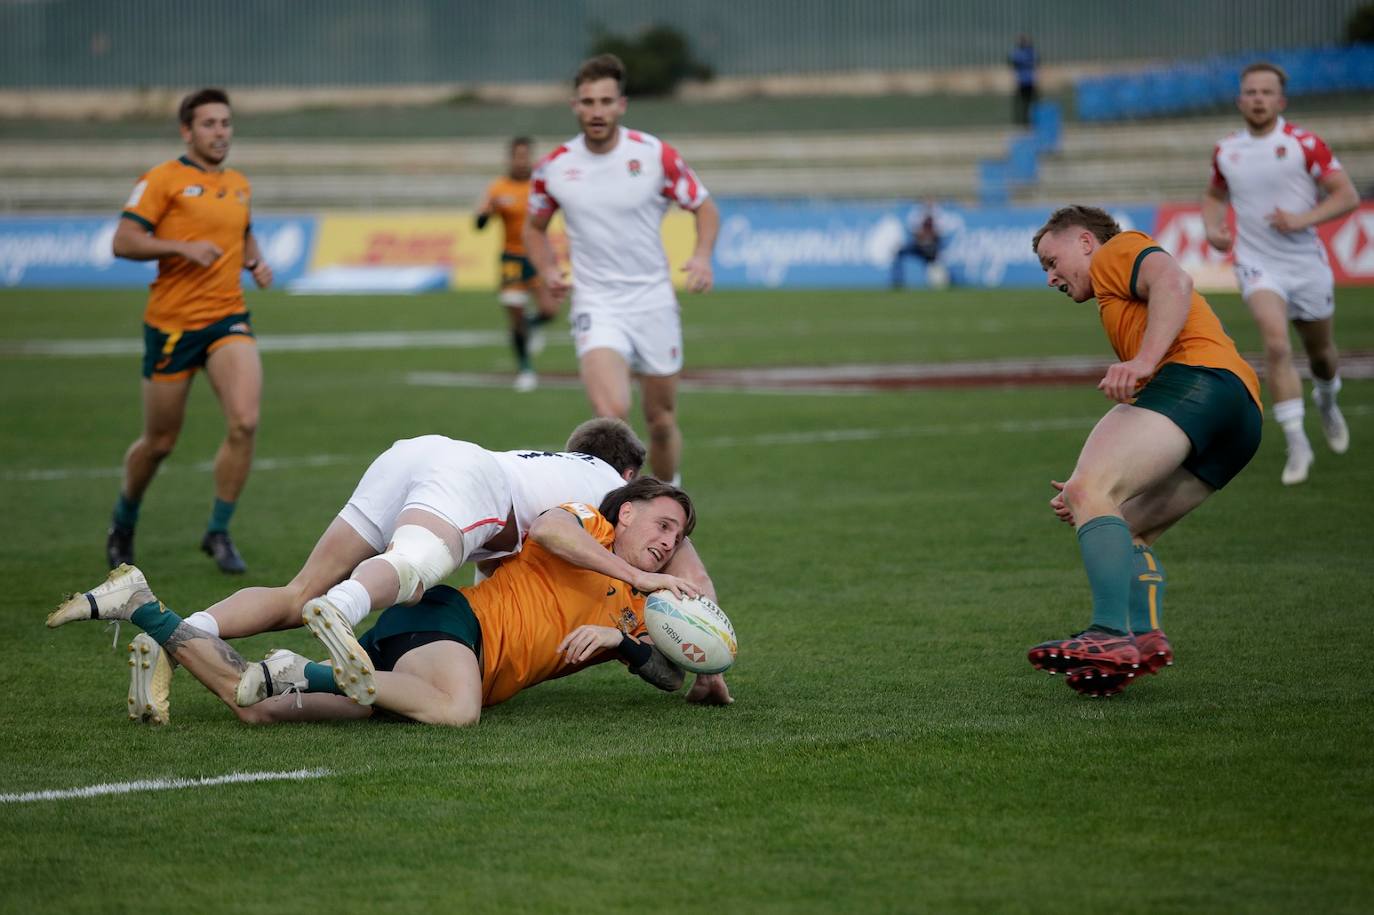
pixel 135 243
pixel 645 661
pixel 559 532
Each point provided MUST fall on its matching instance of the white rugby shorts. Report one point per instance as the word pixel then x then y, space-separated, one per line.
pixel 458 481
pixel 1308 289
pixel 650 341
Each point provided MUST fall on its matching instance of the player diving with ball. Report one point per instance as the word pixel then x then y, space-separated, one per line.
pixel 573 597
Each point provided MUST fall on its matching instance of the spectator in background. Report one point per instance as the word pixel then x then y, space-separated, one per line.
pixel 1022 61
pixel 927 229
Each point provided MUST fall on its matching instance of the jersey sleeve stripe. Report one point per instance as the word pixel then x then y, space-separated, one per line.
pixel 1135 268
pixel 138 219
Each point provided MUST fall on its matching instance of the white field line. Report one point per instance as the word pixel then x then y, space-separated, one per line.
pixel 770 439
pixel 162 784
pixel 274 343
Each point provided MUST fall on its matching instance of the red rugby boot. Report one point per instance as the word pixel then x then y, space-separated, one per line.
pixel 1106 651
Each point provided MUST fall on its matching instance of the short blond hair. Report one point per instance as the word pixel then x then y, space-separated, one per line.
pixel 1095 220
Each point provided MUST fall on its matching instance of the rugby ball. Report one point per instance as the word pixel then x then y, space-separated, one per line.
pixel 693 633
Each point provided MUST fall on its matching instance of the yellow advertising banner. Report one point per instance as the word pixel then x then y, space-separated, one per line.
pixel 450 239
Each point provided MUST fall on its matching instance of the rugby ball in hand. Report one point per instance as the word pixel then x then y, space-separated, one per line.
pixel 693 633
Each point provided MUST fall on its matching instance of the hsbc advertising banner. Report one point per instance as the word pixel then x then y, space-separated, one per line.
pixel 763 244
pixel 1349 246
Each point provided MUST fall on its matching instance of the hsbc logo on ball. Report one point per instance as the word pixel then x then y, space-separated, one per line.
pixel 693 653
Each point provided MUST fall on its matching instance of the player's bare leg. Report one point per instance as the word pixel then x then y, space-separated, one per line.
pixel 606 378
pixel 1285 387
pixel 438 683
pixel 164 408
pixel 1319 340
pixel 424 550
pixel 252 610
pixel 235 372
pixel 164 411
pixel 1129 451
pixel 659 393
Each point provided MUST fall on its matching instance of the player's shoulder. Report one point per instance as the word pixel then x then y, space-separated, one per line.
pixel 641 138
pixel 234 176
pixel 1121 250
pixel 558 152
pixel 1235 138
pixel 170 170
pixel 1302 135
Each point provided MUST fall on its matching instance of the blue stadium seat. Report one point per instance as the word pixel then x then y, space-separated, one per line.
pixel 1023 160
pixel 992 182
pixel 1047 125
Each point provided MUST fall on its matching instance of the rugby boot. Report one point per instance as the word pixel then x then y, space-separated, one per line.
pixel 1297 466
pixel 1155 654
pixel 1336 431
pixel 122 592
pixel 218 546
pixel 1106 651
pixel 119 546
pixel 280 673
pixel 150 681
pixel 352 666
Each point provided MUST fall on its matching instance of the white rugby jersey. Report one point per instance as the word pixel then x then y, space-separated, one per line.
pixel 541 480
pixel 613 205
pixel 1278 170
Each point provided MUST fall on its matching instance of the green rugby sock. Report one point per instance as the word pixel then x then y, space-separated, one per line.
pixel 126 512
pixel 1105 543
pixel 319 678
pixel 220 515
pixel 1147 591
pixel 156 620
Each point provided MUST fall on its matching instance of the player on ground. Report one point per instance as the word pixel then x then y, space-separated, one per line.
pixel 508 198
pixel 1273 173
pixel 192 215
pixel 614 186
pixel 423 507
pixel 1187 419
pixel 572 598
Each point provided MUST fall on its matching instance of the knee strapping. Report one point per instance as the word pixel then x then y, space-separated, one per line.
pixel 420 557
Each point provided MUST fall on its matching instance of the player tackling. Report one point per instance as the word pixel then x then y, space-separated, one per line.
pixel 1186 421
pixel 573 597
pixel 1273 173
pixel 614 186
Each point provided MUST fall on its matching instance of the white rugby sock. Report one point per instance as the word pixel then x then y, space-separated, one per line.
pixel 352 600
pixel 1288 414
pixel 204 622
pixel 1324 392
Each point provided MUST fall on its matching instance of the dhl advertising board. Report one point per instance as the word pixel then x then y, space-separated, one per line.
pixel 450 239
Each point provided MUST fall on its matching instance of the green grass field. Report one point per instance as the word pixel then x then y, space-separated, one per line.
pixel 886 559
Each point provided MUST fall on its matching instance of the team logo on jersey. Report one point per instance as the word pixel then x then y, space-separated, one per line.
pixel 239 327
pixel 192 190
pixel 635 168
pixel 572 174
pixel 1280 151
pixel 628 621
pixel 221 193
pixel 241 196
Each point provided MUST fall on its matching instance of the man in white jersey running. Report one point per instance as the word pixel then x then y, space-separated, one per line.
pixel 1273 173
pixel 614 186
pixel 423 508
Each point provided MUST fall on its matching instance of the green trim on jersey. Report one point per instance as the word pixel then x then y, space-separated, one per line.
pixel 138 219
pixel 1135 268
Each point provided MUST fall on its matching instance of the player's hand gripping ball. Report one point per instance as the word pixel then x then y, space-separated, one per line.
pixel 693 633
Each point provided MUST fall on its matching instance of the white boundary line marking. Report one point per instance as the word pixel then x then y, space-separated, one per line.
pixel 163 784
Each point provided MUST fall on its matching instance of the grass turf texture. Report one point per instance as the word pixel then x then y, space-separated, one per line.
pixel 886 560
